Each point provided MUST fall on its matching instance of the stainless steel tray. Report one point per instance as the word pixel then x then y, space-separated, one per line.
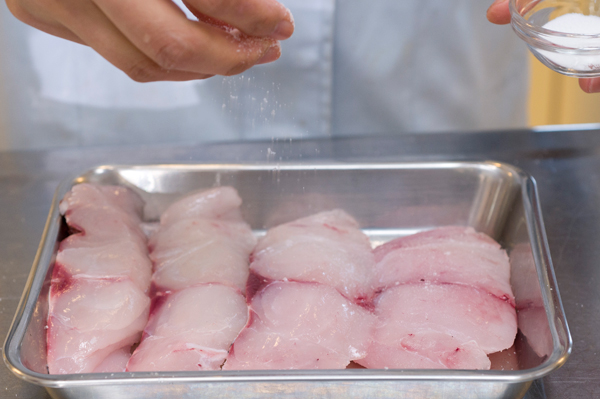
pixel 388 200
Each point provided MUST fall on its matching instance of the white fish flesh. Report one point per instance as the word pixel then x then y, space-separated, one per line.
pixel 445 302
pixel 453 234
pixel 91 318
pixel 221 203
pixel 427 325
pixel 98 302
pixel 456 255
pixel 202 238
pixel 198 251
pixel 301 326
pixel 191 330
pixel 531 312
pixel 104 211
pixel 85 256
pixel 201 253
pixel 327 248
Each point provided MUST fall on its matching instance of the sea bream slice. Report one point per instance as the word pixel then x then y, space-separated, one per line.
pixel 110 198
pixel 199 251
pixel 91 318
pixel 191 330
pixel 222 203
pixel 456 255
pixel 116 362
pixel 439 326
pixel 98 302
pixel 449 234
pixel 301 326
pixel 104 211
pixel 88 256
pixel 327 248
pixel 531 312
pixel 202 238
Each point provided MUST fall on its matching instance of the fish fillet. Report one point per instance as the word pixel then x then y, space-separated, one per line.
pixel 327 248
pixel 301 326
pixel 98 300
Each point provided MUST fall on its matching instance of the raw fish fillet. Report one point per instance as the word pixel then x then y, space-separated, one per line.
pixel 439 326
pixel 86 256
pixel 301 326
pixel 104 211
pixel 533 323
pixel 201 251
pixel 98 302
pixel 531 312
pixel 202 238
pixel 91 318
pixel 326 248
pixel 191 330
pixel 111 198
pixel 427 350
pixel 445 261
pixel 448 234
pixel 218 203
pixel 115 362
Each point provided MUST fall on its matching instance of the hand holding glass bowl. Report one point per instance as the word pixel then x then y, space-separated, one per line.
pixel 563 34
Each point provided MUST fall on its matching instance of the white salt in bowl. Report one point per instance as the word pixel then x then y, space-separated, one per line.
pixel 564 35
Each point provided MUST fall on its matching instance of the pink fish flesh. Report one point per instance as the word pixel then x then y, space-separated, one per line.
pixel 449 234
pixel 191 330
pixel 439 326
pixel 115 362
pixel 531 312
pixel 200 253
pixel 221 203
pixel 326 248
pixel 202 238
pixel 483 267
pixel 91 318
pixel 98 302
pixel 301 326
pixel 197 251
pixel 85 256
pixel 104 211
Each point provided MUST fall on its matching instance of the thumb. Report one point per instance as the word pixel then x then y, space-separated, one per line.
pixel 590 85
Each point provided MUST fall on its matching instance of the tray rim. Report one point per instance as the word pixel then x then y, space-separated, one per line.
pixel 537 237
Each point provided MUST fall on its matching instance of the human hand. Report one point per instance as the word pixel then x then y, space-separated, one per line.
pixel 152 40
pixel 498 13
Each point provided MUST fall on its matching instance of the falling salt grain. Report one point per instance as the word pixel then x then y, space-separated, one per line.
pixel 577 24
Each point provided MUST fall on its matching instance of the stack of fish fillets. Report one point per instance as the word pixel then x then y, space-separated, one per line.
pixel 444 301
pixel 310 294
pixel 98 300
pixel 200 254
pixel 309 279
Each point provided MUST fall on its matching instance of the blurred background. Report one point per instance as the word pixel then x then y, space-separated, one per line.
pixel 555 99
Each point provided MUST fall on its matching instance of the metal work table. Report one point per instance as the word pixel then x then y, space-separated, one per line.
pixel 566 165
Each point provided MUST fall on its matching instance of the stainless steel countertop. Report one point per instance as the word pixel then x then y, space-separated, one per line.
pixel 565 164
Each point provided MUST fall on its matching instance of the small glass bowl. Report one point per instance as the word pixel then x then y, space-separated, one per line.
pixel 569 54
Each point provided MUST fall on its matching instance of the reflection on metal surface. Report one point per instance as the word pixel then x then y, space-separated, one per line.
pixel 388 200
pixel 490 204
pixel 566 127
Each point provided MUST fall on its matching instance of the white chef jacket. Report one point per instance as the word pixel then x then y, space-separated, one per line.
pixel 351 67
